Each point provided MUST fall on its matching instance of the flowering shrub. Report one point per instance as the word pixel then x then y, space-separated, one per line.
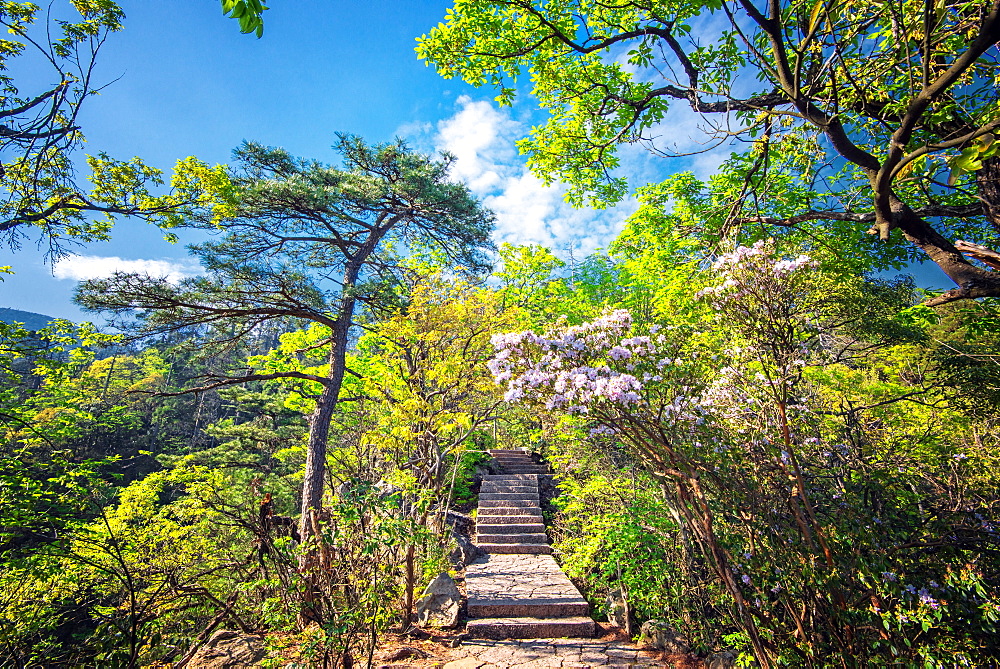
pixel 796 507
pixel 621 381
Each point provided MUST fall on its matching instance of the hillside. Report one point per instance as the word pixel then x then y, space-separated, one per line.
pixel 31 320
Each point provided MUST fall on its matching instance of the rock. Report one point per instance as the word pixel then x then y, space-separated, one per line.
pixel 228 649
pixel 405 653
pixel 617 608
pixel 723 660
pixel 464 663
pixel 440 603
pixel 460 521
pixel 464 552
pixel 659 635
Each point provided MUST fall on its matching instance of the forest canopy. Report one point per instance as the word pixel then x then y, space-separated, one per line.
pixel 856 116
pixel 763 437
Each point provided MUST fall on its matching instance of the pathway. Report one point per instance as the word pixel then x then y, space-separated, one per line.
pixel 539 653
pixel 516 590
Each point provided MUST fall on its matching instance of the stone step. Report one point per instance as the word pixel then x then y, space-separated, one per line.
pixel 494 451
pixel 516 479
pixel 512 528
pixel 508 495
pixel 531 493
pixel 547 607
pixel 528 514
pixel 512 519
pixel 515 519
pixel 516 549
pixel 506 503
pixel 512 483
pixel 514 502
pixel 511 538
pixel 525 469
pixel 531 628
pixel 490 489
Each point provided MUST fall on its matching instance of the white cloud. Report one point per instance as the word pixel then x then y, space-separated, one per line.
pixel 482 137
pixel 81 268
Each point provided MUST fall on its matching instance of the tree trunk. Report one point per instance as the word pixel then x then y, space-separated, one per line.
pixel 319 422
pixel 988 185
pixel 319 430
pixel 410 582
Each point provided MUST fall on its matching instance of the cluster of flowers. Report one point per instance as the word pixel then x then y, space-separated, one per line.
pixel 757 261
pixel 570 368
pixel 923 595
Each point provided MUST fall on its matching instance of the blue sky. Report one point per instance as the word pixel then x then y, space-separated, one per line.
pixel 189 84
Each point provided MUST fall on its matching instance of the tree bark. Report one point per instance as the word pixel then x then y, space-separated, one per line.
pixel 319 421
pixel 988 184
pixel 411 578
pixel 319 430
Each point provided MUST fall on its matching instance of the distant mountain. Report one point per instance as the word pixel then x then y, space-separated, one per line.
pixel 31 320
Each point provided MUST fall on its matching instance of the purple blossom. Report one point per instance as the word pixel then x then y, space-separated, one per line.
pixel 619 353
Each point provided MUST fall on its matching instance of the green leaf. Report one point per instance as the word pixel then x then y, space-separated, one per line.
pixel 967 161
pixel 814 16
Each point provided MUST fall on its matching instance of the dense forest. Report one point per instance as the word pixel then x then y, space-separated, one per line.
pixel 764 432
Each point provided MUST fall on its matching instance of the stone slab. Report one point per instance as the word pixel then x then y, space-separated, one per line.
pixel 493 486
pixel 507 503
pixel 511 538
pixel 511 478
pixel 509 511
pixel 494 577
pixel 512 528
pixel 523 653
pixel 531 628
pixel 515 519
pixel 533 608
pixel 515 549
pixel 521 494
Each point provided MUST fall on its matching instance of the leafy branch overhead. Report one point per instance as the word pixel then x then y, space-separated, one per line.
pixel 248 13
pixel 884 112
pixel 41 135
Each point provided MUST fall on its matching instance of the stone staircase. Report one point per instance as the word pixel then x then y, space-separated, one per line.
pixel 516 590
